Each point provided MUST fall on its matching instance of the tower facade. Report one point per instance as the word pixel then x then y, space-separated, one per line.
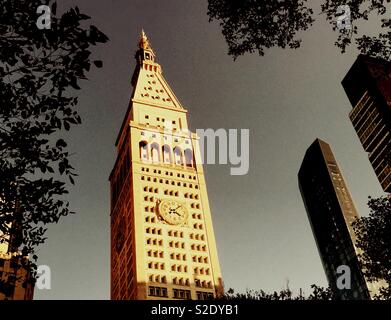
pixel 331 211
pixel 368 87
pixel 15 279
pixel 162 239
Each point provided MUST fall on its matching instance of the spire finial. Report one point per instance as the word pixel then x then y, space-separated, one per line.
pixel 144 42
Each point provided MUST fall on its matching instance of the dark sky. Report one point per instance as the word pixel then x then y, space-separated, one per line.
pixel 286 99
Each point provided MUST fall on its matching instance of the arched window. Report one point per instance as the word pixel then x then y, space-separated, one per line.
pixel 178 156
pixel 143 151
pixel 189 158
pixel 167 154
pixel 155 154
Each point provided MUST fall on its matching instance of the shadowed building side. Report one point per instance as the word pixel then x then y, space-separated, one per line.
pixel 368 87
pixel 331 211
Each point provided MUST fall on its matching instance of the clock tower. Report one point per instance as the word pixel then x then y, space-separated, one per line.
pixel 162 240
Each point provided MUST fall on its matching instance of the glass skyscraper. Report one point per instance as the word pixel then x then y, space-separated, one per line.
pixel 331 211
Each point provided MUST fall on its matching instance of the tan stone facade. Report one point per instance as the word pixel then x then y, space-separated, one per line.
pixel 13 277
pixel 162 239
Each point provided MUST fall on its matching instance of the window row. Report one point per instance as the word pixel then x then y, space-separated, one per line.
pixel 165 137
pixel 162 292
pixel 197 236
pixel 157 278
pixel 149 209
pixel 154 242
pixel 155 253
pixel 157 118
pixel 178 256
pixel 200 259
pixel 157 292
pixel 154 291
pixel 150 189
pixel 157 231
pixel 179 268
pixel 181 294
pixel 177 234
pixel 149 67
pixel 195 205
pixel 177 244
pixel 191 196
pixel 172 182
pixel 181 281
pixel 198 247
pixel 202 271
pixel 160 124
pixel 197 216
pixel 198 226
pixel 156 154
pixel 150 199
pixel 156 265
pixel 171 193
pixel 203 284
pixel 150 219
pixel 157 91
pixel 169 173
pixel 204 295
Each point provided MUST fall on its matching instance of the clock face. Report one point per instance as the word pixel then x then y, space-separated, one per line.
pixel 173 212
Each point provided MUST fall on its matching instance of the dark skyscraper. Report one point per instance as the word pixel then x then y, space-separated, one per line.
pixel 331 211
pixel 368 87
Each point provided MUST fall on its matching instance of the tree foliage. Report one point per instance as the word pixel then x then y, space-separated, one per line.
pixel 40 74
pixel 374 239
pixel 253 26
pixel 318 293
